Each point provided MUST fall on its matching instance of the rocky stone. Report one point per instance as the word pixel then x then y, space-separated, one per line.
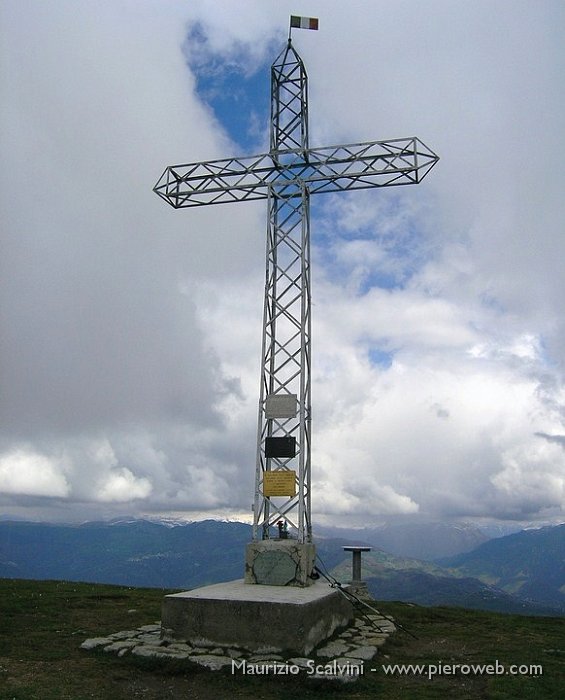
pixel 180 647
pixel 96 642
pixel 258 658
pixel 150 638
pixel 118 646
pixel 159 652
pixel 202 643
pixel 358 639
pixel 384 625
pixel 165 652
pixel 127 634
pixel 388 627
pixel 147 650
pixel 151 628
pixel 334 648
pixel 211 661
pixel 300 661
pixel 267 650
pixel 363 653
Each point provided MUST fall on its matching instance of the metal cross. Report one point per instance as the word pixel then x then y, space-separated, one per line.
pixel 286 176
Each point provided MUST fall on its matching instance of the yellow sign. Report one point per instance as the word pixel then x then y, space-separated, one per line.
pixel 279 483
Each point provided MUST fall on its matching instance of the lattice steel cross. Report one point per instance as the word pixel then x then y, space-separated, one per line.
pixel 286 176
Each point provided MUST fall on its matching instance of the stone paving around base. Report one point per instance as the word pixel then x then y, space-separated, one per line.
pixel 341 658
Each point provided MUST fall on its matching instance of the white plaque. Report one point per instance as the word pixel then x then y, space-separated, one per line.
pixel 281 406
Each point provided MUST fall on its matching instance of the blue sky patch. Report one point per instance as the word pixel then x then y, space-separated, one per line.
pixel 234 87
pixel 380 358
pixel 385 251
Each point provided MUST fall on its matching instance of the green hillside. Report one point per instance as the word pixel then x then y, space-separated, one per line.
pixel 530 563
pixel 424 583
pixel 44 623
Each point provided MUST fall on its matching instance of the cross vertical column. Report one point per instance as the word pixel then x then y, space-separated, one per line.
pixel 285 370
pixel 287 176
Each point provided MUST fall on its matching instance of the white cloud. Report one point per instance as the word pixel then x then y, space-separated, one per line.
pixel 121 486
pixel 204 487
pixel 532 473
pixel 356 495
pixel 27 473
pixel 130 340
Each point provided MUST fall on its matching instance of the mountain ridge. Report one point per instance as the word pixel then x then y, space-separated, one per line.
pixel 530 563
pixel 149 554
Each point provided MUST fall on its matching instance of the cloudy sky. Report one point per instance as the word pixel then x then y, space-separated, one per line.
pixel 130 332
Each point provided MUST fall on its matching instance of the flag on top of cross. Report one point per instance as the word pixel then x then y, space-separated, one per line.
pixel 303 22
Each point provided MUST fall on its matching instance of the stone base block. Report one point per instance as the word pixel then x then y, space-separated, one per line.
pixel 279 563
pixel 261 619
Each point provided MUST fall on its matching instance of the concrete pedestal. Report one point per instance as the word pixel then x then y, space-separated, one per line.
pixel 279 563
pixel 258 618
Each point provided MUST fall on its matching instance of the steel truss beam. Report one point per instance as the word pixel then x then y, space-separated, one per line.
pixel 333 169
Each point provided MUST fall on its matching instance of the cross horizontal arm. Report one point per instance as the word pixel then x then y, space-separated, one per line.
pixel 330 169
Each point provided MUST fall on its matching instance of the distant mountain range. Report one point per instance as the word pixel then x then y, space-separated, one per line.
pixel 421 540
pixel 529 564
pixel 523 572
pixel 137 553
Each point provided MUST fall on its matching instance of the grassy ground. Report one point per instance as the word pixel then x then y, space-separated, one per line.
pixel 42 625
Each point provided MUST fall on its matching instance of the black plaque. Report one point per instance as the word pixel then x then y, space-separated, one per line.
pixel 280 446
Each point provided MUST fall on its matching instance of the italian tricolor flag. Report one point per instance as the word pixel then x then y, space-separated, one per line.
pixel 303 22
